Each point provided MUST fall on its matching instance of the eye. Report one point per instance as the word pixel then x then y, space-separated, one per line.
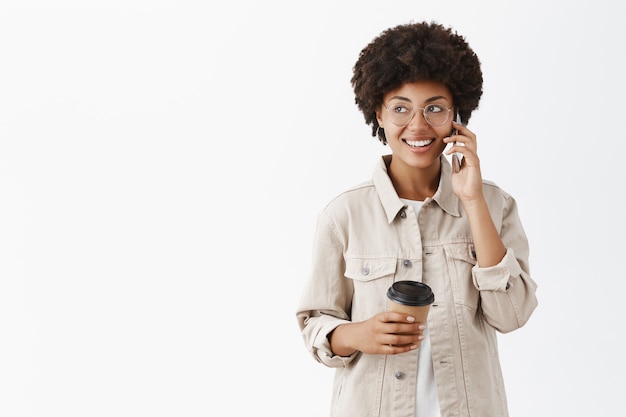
pixel 435 108
pixel 399 108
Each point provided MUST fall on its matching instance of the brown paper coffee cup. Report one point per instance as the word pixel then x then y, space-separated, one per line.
pixel 412 298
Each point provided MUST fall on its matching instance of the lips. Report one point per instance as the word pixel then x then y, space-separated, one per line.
pixel 418 143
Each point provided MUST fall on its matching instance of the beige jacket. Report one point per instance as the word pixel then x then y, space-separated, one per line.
pixel 367 238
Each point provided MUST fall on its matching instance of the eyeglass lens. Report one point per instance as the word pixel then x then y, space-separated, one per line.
pixel 401 114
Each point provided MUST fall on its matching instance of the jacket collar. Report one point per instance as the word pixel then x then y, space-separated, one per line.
pixel 444 197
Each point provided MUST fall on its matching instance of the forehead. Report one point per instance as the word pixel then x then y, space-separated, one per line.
pixel 420 92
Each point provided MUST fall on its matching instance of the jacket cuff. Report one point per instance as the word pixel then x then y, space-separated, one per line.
pixel 496 278
pixel 322 351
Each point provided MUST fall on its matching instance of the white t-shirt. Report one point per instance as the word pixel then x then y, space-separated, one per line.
pixel 427 400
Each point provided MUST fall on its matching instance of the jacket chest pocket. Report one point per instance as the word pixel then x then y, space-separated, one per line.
pixel 371 277
pixel 461 258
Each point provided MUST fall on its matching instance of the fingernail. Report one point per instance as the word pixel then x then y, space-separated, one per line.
pixel 410 318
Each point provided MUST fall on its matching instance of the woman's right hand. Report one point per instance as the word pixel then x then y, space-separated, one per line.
pixel 386 333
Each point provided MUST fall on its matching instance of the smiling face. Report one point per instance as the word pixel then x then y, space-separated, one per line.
pixel 419 144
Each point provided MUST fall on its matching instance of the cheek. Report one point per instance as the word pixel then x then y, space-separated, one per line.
pixel 392 131
pixel 445 131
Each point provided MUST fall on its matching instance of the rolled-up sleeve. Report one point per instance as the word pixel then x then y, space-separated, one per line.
pixel 326 301
pixel 507 292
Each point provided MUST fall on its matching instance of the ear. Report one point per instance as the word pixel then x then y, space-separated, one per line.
pixel 379 117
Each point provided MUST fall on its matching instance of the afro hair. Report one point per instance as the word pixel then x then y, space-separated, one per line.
pixel 414 52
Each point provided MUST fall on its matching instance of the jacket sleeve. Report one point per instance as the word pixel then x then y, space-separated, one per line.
pixel 507 292
pixel 327 298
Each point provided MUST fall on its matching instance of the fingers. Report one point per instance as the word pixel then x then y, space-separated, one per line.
pixel 395 350
pixel 394 333
pixel 403 335
pixel 400 343
pixel 405 339
pixel 463 145
pixel 463 135
pixel 463 130
pixel 395 317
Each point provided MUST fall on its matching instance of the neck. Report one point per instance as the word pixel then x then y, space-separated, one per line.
pixel 415 183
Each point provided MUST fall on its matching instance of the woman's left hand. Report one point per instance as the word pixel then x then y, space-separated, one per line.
pixel 467 183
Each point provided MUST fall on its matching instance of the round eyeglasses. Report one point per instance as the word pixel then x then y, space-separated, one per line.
pixel 401 114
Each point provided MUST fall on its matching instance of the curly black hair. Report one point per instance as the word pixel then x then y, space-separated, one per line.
pixel 413 52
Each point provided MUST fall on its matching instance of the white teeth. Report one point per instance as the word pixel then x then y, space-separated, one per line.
pixel 418 143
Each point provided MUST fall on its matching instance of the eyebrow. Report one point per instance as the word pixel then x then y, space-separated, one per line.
pixel 429 100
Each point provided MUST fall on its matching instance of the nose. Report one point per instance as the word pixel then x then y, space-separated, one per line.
pixel 418 120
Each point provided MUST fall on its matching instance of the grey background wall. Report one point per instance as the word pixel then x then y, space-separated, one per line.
pixel 162 164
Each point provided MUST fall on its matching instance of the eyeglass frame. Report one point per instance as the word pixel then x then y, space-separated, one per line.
pixel 423 109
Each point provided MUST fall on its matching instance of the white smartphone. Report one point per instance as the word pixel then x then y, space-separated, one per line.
pixel 457 157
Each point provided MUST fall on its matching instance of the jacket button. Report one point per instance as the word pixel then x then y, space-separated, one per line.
pixel 403 214
pixel 399 375
pixel 406 263
pixel 365 271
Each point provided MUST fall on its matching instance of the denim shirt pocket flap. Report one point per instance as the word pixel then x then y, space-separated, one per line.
pixel 368 269
pixel 463 252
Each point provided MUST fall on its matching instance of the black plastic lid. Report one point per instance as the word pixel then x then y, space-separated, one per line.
pixel 411 293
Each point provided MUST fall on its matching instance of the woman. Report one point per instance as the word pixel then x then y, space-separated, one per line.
pixel 418 219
